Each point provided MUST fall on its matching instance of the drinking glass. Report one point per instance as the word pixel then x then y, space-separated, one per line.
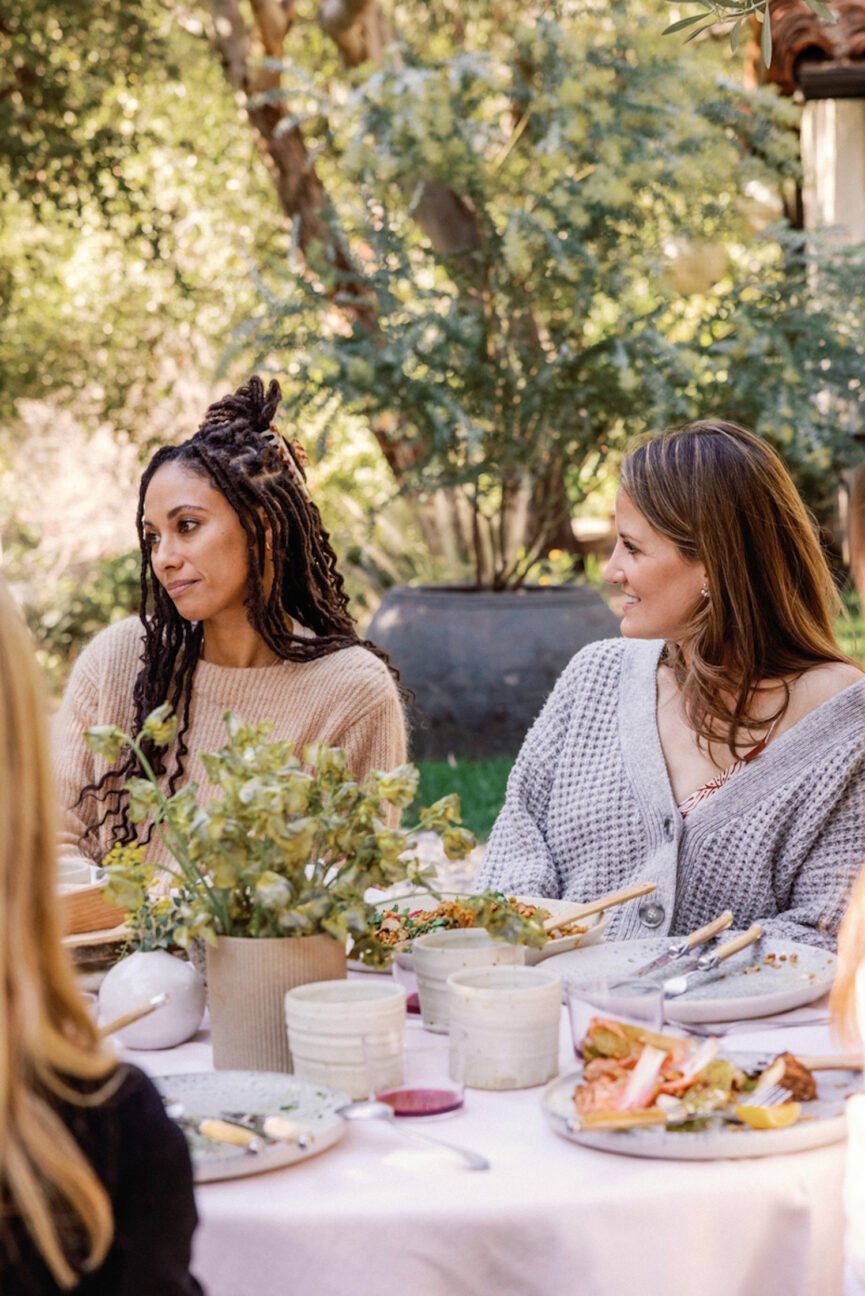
pixel 637 1002
pixel 433 1075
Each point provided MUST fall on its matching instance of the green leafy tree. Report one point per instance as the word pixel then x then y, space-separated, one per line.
pixel 510 366
pixel 134 204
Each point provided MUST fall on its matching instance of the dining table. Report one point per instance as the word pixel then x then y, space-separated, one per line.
pixel 380 1215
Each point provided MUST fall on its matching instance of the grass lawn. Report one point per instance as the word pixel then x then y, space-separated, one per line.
pixel 850 628
pixel 480 784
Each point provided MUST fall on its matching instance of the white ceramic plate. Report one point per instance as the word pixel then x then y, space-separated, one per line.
pixel 744 986
pixel 265 1093
pixel 822 1121
pixel 596 925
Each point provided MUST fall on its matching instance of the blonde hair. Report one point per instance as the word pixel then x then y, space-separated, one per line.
pixel 851 956
pixel 48 1042
pixel 725 499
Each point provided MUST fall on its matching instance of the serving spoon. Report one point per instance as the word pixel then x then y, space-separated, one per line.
pixel 369 1109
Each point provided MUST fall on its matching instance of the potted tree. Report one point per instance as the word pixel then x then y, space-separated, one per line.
pixel 271 874
pixel 517 206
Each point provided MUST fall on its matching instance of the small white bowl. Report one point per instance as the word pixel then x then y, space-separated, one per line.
pixel 327 1023
pixel 509 1019
pixel 440 953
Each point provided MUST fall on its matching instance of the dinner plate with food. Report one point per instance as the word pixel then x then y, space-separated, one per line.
pixel 765 977
pixel 240 1123
pixel 650 1094
pixel 400 921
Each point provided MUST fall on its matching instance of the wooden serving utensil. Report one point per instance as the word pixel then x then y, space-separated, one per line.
pixel 577 911
pixel 135 1014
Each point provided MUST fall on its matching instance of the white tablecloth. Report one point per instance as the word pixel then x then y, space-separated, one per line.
pixel 378 1216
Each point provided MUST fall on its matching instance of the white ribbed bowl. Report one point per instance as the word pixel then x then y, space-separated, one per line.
pixel 440 953
pixel 327 1022
pixel 508 1018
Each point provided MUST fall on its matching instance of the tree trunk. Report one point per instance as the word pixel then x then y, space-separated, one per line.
pixel 360 32
pixel 301 193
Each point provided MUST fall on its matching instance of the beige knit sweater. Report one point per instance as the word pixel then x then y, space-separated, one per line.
pixel 347 699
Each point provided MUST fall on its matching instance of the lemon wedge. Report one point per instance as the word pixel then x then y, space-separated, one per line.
pixel 764 1118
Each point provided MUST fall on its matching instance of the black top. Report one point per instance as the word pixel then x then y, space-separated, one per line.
pixel 142 1159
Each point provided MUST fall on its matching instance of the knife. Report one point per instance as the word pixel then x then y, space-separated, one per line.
pixel 708 962
pixel 679 948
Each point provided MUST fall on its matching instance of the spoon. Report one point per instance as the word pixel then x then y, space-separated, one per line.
pixel 371 1110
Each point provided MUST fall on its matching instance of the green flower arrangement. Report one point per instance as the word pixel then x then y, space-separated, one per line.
pixel 289 848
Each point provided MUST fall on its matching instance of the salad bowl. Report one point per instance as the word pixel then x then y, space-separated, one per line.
pixel 593 926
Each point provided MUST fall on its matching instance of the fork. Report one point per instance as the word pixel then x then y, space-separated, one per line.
pixel 709 1029
pixel 769 1096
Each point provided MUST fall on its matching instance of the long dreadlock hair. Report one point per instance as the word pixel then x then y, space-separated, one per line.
pixel 261 476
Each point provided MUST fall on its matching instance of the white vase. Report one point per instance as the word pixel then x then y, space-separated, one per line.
pixel 133 981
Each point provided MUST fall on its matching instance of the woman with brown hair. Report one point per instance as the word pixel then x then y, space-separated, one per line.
pixel 95 1181
pixel 243 608
pixel 718 749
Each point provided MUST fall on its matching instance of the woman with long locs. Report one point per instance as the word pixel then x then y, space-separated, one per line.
pixel 243 608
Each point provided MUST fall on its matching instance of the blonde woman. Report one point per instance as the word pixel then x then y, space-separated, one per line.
pixel 95 1181
pixel 847 1009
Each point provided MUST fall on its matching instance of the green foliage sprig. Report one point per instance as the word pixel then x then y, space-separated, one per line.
pixel 710 12
pixel 289 848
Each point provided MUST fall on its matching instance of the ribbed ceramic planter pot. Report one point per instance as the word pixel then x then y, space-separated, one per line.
pixel 247 981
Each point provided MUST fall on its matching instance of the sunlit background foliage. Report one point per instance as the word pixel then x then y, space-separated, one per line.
pixel 560 227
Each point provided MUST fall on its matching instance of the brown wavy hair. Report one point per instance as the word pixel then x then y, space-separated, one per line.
pixel 50 1050
pixel 725 499
pixel 260 474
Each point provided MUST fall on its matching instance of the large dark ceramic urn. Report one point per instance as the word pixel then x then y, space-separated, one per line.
pixel 482 664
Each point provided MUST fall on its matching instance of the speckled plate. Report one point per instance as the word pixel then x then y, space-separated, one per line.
pixel 769 977
pixel 265 1093
pixel 822 1121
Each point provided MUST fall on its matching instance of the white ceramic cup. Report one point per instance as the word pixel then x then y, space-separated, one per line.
pixel 509 1018
pixel 440 953
pixel 327 1023
pixel 73 873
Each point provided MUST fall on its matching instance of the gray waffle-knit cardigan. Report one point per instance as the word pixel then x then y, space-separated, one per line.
pixel 590 809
